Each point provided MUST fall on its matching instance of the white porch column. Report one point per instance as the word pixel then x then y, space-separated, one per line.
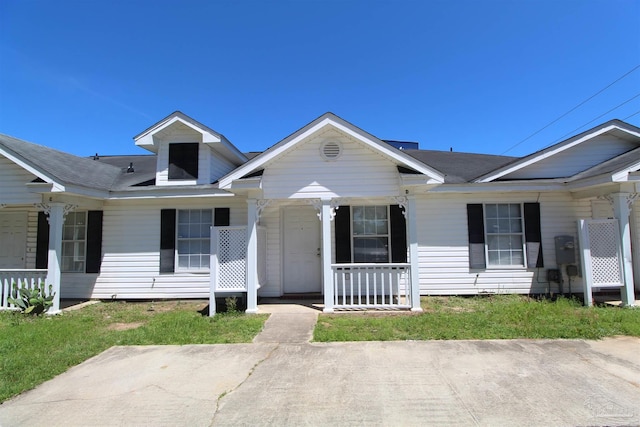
pixel 327 273
pixel 252 256
pixel 621 210
pixel 412 238
pixel 56 213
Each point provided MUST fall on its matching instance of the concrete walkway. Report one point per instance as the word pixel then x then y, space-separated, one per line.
pixel 482 383
pixel 289 321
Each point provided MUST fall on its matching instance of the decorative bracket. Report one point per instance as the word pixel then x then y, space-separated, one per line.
pixel 631 199
pixel 402 202
pixel 260 205
pixel 46 207
pixel 317 205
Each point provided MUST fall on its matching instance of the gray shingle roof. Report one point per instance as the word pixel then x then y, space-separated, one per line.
pixel 460 167
pixel 63 167
pixel 144 169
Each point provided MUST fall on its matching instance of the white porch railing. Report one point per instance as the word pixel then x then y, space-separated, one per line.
pixel 21 278
pixel 373 286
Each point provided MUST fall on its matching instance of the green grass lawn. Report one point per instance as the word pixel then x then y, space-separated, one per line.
pixel 35 349
pixel 483 317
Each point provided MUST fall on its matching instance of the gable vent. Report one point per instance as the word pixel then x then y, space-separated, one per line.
pixel 331 150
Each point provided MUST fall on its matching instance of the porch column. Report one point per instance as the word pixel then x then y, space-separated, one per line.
pixel 621 210
pixel 412 238
pixel 327 273
pixel 56 213
pixel 252 256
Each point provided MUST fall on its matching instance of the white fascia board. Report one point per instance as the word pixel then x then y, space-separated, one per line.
pixel 409 180
pixel 590 182
pixel 545 154
pixel 164 194
pixel 285 145
pixel 81 191
pixel 501 187
pixel 27 166
pixel 254 183
pixel 623 174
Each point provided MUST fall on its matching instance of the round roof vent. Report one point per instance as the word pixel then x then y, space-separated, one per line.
pixel 330 150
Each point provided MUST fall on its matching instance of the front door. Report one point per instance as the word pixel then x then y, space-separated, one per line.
pixel 13 239
pixel 301 242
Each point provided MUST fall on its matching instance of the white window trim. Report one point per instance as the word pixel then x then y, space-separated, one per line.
pixel 177 268
pixel 354 236
pixel 489 266
pixel 75 241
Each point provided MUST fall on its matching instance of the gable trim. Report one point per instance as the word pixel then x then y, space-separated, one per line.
pixel 330 119
pixel 560 147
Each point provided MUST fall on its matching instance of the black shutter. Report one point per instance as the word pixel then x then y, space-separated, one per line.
pixel 342 228
pixel 475 227
pixel 94 241
pixel 183 161
pixel 42 241
pixel 167 240
pixel 221 217
pixel 533 232
pixel 398 234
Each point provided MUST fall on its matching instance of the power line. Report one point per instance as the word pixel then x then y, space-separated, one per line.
pixel 573 109
pixel 628 117
pixel 591 121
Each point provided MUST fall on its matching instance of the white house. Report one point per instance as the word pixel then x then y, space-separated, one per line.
pixel 329 210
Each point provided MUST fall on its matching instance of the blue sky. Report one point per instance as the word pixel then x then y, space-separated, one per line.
pixel 478 76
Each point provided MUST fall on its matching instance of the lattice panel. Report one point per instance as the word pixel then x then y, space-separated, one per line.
pixel 232 255
pixel 605 257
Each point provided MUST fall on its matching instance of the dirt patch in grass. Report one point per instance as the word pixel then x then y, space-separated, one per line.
pixel 124 326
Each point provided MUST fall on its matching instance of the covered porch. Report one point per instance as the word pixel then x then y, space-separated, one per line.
pixel 294 247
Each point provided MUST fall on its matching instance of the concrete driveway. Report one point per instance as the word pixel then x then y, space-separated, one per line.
pixel 488 383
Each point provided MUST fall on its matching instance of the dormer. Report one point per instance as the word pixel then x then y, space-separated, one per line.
pixel 188 152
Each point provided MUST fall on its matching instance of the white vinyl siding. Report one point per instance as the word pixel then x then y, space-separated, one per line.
pixel 131 251
pixel 443 247
pixel 302 172
pixel 575 159
pixel 14 179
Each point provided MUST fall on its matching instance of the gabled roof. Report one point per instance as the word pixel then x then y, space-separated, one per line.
pixel 330 119
pixel 615 127
pixel 58 167
pixel 460 167
pixel 209 136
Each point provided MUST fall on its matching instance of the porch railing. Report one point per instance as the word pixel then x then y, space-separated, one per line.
pixel 22 278
pixel 370 286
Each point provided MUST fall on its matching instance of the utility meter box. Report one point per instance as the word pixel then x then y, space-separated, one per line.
pixel 565 250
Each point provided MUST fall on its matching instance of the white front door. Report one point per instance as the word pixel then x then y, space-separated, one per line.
pixel 13 239
pixel 301 242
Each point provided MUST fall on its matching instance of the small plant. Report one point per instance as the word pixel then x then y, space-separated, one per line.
pixel 231 304
pixel 32 300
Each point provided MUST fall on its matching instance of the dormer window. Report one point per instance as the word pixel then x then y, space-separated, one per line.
pixel 183 161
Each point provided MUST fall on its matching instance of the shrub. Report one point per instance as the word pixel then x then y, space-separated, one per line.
pixel 32 300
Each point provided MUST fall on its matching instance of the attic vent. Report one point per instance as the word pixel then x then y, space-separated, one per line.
pixel 330 150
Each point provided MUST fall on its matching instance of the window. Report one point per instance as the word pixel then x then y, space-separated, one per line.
pixel 183 161
pixel 370 234
pixel 193 239
pixel 74 237
pixel 500 234
pixel 504 230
